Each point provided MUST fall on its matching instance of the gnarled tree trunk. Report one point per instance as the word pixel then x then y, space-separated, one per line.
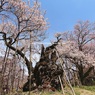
pixel 46 72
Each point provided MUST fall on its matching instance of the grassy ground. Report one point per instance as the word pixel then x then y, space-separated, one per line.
pixel 84 90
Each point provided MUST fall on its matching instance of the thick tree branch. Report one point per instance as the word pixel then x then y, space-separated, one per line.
pixel 18 52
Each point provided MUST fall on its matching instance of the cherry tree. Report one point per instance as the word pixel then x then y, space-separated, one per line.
pixel 84 33
pixel 75 60
pixel 78 47
pixel 18 21
pixel 21 25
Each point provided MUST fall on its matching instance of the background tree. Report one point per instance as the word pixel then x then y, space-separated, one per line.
pixel 76 45
pixel 84 33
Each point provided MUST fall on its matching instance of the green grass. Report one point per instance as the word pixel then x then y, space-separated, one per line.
pixel 83 90
pixel 90 88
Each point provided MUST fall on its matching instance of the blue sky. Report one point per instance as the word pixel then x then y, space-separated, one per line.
pixel 63 14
